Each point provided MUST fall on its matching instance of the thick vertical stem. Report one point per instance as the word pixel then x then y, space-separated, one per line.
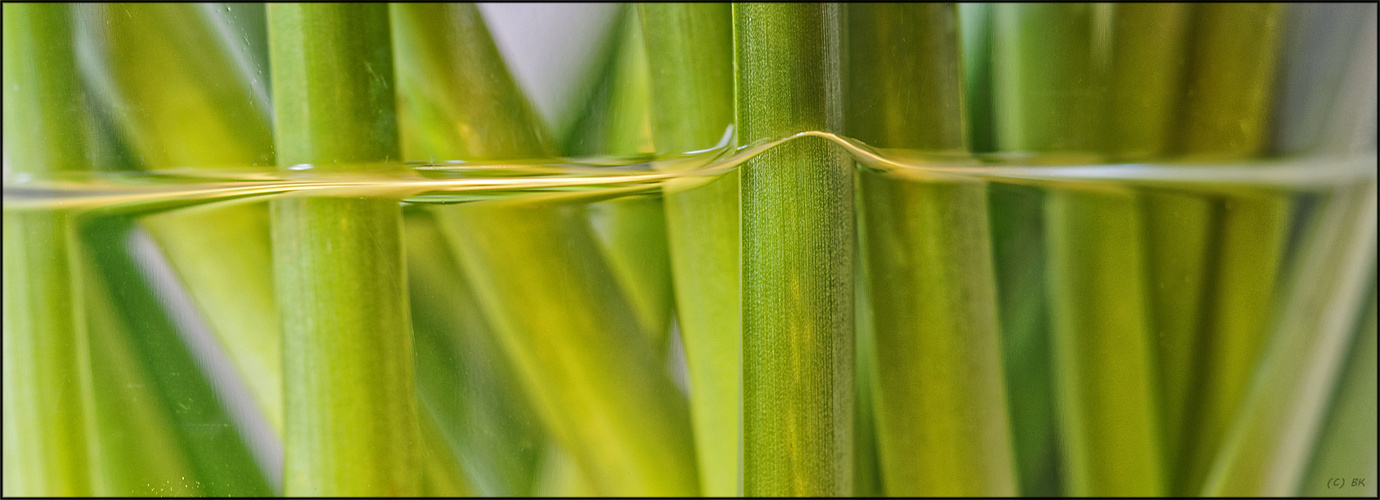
pixel 797 254
pixel 48 427
pixel 351 409
pixel 941 405
pixel 690 49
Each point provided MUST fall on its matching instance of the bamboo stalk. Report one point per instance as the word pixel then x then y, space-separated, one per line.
pixel 1145 93
pixel 49 431
pixel 943 427
pixel 1228 94
pixel 1051 78
pixel 690 50
pixel 351 427
pixel 537 269
pixel 797 254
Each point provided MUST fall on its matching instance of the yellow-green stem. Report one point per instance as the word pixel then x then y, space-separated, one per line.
pixel 49 430
pixel 351 422
pixel 942 422
pixel 1227 98
pixel 690 52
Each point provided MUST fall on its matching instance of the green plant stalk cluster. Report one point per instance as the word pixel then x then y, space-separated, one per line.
pixel 797 254
pixel 463 376
pixel 352 428
pixel 1226 101
pixel 1264 451
pixel 537 269
pixel 1052 75
pixel 154 75
pixel 692 107
pixel 941 402
pixel 631 230
pixel 49 428
pixel 1017 235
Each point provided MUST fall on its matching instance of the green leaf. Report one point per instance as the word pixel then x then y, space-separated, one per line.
pixel 690 55
pixel 797 254
pixel 338 262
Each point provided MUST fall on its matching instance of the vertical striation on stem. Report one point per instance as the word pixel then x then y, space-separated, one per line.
pixel 797 254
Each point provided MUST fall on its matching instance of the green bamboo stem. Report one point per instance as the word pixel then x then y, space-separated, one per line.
pixel 351 427
pixel 49 430
pixel 463 377
pixel 1346 445
pixel 1051 81
pixel 690 47
pixel 943 427
pixel 1229 89
pixel 537 269
pixel 797 254
pixel 161 66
